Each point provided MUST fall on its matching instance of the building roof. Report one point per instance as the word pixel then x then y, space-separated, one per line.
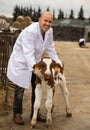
pixel 71 22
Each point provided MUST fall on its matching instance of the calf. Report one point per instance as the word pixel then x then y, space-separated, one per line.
pixel 49 74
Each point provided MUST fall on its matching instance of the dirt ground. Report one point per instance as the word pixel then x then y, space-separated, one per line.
pixel 77 72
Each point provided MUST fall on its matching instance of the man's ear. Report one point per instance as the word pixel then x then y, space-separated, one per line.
pixel 39 19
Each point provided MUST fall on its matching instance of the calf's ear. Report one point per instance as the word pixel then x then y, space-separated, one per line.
pixel 35 68
pixel 56 68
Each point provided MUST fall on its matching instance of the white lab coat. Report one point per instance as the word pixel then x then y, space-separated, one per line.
pixel 27 51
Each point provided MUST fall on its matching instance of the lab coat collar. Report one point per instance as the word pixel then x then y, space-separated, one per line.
pixel 40 35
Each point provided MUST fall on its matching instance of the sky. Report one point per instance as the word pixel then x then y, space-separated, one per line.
pixel 7 6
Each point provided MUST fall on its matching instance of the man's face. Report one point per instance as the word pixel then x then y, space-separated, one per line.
pixel 45 22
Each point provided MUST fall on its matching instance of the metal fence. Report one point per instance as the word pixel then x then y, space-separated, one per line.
pixel 7 41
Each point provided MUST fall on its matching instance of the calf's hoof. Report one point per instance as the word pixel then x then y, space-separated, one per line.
pixel 49 123
pixel 33 123
pixel 69 115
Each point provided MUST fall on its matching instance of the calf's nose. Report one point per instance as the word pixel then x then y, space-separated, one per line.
pixel 47 75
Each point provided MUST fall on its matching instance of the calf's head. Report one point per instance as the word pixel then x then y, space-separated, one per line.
pixel 47 68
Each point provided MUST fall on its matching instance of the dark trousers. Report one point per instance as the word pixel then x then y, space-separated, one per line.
pixel 18 97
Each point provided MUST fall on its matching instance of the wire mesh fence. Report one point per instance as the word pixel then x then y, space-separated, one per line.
pixel 7 41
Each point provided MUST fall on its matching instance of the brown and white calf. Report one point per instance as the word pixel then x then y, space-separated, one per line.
pixel 49 74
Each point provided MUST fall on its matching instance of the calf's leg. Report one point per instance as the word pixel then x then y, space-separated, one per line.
pixel 38 96
pixel 48 104
pixel 66 97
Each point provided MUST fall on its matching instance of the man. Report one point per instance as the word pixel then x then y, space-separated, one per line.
pixel 27 51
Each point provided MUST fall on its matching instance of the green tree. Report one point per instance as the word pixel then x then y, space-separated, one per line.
pixel 47 9
pixel 34 16
pixel 89 18
pixel 21 11
pixel 38 12
pixel 54 14
pixel 81 14
pixel 30 13
pixel 71 16
pixel 16 12
pixel 25 11
pixel 61 14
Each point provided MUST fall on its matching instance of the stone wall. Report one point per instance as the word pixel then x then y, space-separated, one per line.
pixel 67 33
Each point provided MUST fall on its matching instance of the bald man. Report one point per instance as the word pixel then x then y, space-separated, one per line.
pixel 28 49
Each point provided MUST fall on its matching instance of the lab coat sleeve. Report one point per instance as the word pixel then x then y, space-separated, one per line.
pixel 50 49
pixel 28 46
